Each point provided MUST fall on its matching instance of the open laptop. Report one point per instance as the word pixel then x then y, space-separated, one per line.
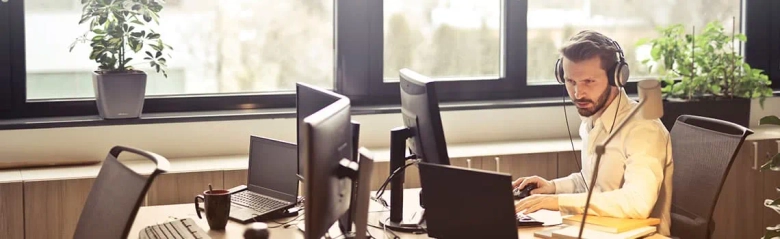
pixel 272 183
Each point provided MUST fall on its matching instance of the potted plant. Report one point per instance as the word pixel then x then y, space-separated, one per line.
pixel 118 30
pixel 772 164
pixel 704 75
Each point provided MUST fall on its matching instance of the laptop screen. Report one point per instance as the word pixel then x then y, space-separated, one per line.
pixel 273 168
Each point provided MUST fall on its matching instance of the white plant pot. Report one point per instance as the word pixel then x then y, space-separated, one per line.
pixel 119 95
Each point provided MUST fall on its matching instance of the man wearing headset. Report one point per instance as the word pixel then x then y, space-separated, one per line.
pixel 635 174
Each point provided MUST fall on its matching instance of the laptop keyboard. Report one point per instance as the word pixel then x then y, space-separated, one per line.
pixel 255 201
pixel 183 228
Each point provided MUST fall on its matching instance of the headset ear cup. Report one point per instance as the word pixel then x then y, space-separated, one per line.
pixel 621 74
pixel 559 71
pixel 612 74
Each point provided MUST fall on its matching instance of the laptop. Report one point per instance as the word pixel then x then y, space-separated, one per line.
pixel 467 203
pixel 272 182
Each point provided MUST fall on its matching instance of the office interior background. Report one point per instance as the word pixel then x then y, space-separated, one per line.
pixel 235 63
pixel 252 49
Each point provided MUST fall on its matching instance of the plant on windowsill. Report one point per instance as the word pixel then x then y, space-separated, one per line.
pixel 703 74
pixel 772 164
pixel 119 29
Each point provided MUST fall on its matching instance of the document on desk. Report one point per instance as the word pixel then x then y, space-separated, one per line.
pixel 548 217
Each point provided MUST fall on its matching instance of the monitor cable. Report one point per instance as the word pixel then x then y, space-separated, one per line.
pixel 378 196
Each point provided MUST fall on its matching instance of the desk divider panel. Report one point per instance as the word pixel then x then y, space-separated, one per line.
pixel 567 163
pixel 11 210
pixel 52 208
pixel 179 188
pixel 235 177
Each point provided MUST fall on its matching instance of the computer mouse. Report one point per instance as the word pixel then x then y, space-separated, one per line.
pixel 521 193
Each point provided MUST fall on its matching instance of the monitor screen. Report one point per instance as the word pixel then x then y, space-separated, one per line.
pixel 272 170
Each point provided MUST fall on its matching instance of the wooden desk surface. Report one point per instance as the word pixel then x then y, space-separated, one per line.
pixel 234 230
pixel 158 214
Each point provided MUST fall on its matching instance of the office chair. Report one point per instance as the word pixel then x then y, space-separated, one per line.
pixel 115 196
pixel 703 150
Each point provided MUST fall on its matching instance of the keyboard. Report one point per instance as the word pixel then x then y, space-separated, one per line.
pixel 178 229
pixel 525 220
pixel 257 202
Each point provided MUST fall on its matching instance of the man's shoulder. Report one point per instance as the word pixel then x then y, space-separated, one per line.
pixel 651 126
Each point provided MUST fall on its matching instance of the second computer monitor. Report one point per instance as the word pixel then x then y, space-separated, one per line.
pixel 420 112
pixel 326 141
pixel 310 99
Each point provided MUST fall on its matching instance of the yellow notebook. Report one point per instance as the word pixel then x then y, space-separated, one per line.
pixel 611 224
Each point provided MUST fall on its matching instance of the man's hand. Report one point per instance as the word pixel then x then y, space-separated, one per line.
pixel 543 186
pixel 535 202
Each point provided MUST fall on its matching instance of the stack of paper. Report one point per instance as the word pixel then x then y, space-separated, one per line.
pixel 611 224
pixel 572 232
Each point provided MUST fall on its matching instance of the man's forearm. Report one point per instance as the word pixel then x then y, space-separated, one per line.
pixel 569 184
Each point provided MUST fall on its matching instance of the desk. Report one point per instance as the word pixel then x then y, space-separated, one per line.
pixel 234 230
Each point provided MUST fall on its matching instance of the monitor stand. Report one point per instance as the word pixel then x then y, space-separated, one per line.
pixel 394 221
pixel 412 225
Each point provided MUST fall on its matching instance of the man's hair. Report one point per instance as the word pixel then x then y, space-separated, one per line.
pixel 587 44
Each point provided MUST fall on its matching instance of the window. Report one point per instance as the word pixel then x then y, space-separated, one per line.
pixel 552 22
pixel 219 47
pixel 474 47
pixel 442 39
pixel 249 54
pixel 763 33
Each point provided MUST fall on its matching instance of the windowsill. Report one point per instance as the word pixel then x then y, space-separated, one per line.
pixel 182 117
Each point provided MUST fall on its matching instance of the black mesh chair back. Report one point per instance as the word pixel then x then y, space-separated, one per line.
pixel 115 196
pixel 703 150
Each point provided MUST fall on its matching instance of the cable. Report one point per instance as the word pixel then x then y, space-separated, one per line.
pixel 620 90
pixel 380 228
pixel 285 223
pixel 571 139
pixel 381 191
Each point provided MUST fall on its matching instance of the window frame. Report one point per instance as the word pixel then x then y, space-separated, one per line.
pixel 762 34
pixel 6 92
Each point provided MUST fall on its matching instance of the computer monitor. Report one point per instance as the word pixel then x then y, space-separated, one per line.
pixel 422 134
pixel 308 100
pixel 420 112
pixel 326 146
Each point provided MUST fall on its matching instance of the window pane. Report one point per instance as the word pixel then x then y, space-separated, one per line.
pixel 552 22
pixel 442 38
pixel 219 47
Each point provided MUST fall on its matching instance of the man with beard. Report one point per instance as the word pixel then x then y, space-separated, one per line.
pixel 635 174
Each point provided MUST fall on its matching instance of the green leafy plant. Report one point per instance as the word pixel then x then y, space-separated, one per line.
pixel 705 65
pixel 118 28
pixel 773 164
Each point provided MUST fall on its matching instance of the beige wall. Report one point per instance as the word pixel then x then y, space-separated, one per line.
pixel 175 140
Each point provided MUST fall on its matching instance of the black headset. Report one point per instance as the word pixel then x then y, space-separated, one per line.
pixel 617 74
